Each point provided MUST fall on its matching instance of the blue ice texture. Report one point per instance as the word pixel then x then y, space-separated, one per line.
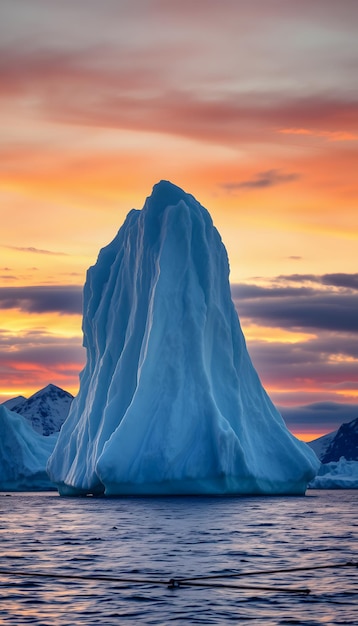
pixel 341 474
pixel 169 401
pixel 23 454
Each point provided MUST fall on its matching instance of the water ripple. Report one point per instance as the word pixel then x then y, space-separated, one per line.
pixel 156 539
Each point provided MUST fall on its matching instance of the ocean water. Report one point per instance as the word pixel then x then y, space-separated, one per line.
pixel 156 539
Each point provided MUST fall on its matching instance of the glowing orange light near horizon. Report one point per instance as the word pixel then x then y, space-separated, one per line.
pixel 330 135
pixel 308 436
pixel 269 334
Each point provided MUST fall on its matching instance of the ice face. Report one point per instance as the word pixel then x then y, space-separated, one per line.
pixel 23 454
pixel 340 474
pixel 169 401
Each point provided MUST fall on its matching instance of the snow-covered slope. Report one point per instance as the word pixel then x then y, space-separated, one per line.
pixel 14 404
pixel 23 454
pixel 340 474
pixel 169 401
pixel 46 410
pixel 344 443
pixel 320 445
pixel 338 452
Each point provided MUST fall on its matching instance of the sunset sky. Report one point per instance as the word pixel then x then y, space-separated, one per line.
pixel 252 107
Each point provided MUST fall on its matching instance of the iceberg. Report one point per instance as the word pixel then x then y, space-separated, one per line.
pixel 340 474
pixel 23 454
pixel 169 402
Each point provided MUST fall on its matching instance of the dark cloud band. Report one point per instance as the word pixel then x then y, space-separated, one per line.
pixel 66 299
pixel 304 307
pixel 308 417
pixel 262 180
pixel 348 281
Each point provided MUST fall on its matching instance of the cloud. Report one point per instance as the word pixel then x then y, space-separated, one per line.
pixel 65 299
pixel 52 353
pixel 301 307
pixel 33 359
pixel 325 134
pixel 262 180
pixel 341 280
pixel 33 250
pixel 243 291
pixel 330 312
pixel 322 371
pixel 172 110
pixel 121 86
pixel 306 418
pixel 350 281
pixel 321 364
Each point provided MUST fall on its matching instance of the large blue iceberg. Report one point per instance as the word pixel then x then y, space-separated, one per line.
pixel 169 401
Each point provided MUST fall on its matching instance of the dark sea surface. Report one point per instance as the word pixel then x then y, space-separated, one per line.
pixel 156 539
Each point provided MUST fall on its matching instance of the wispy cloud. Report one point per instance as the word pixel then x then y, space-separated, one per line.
pixel 262 180
pixel 33 250
pixel 143 95
pixel 335 135
pixel 339 279
pixel 8 277
pixel 30 360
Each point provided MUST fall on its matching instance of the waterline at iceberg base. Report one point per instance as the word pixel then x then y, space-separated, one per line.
pixel 169 401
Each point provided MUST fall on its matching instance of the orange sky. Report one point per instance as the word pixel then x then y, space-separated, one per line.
pixel 252 108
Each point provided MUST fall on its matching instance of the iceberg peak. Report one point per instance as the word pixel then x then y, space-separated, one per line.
pixel 169 401
pixel 166 194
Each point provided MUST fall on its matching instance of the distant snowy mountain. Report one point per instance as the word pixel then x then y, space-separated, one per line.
pixel 338 453
pixel 14 404
pixel 341 442
pixel 23 454
pixel 345 443
pixel 320 445
pixel 46 410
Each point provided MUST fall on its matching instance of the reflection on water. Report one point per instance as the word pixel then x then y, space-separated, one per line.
pixel 161 538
